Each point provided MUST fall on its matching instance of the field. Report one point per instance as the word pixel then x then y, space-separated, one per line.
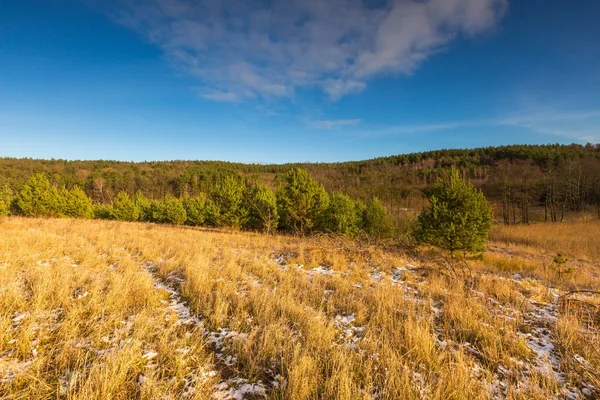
pixel 110 310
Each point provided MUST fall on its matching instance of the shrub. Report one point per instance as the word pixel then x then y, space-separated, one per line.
pixel 228 199
pixel 458 217
pixel 300 200
pixel 38 199
pixel 169 211
pixel 6 198
pixel 195 210
pixel 261 203
pixel 340 216
pixel 102 211
pixel 212 214
pixel 376 221
pixel 559 264
pixel 75 203
pixel 124 208
pixel 143 205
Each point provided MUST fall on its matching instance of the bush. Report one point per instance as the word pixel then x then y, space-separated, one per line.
pixel 261 203
pixel 6 198
pixel 300 201
pixel 169 211
pixel 102 211
pixel 38 199
pixel 143 205
pixel 212 214
pixel 195 210
pixel 228 200
pixel 376 221
pixel 340 216
pixel 458 217
pixel 124 208
pixel 75 203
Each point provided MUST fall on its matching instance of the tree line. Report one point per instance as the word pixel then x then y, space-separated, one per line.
pixel 298 204
pixel 523 182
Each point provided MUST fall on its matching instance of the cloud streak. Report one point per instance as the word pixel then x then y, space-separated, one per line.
pixel 579 125
pixel 262 49
pixel 334 124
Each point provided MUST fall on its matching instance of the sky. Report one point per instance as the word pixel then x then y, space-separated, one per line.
pixel 275 81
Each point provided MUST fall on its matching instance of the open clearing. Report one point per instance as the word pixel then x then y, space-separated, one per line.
pixel 108 310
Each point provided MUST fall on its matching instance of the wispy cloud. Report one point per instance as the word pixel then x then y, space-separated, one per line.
pixel 225 97
pixel 258 49
pixel 577 125
pixel 333 124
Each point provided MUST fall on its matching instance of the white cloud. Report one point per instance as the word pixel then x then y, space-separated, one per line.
pixel 333 124
pixel 267 49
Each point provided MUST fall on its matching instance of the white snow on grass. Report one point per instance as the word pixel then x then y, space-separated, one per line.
pixel 539 339
pixel 238 389
pixel 377 275
pixel 149 354
pixel 17 318
pixel 11 369
pixel 397 274
pixel 235 387
pixel 351 334
pixel 322 270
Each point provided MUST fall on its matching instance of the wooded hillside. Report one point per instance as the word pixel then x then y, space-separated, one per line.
pixel 524 182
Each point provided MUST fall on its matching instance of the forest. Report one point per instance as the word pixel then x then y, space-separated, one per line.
pixel 524 183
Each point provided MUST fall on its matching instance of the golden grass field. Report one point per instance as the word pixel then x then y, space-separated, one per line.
pixel 109 310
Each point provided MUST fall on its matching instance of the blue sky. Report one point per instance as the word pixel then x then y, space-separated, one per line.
pixel 282 81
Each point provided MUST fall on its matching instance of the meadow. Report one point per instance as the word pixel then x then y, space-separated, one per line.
pixel 95 309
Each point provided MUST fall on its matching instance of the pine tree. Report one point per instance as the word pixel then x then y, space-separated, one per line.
pixel 102 211
pixel 212 214
pixel 124 208
pixel 143 205
pixel 458 217
pixel 38 198
pixel 300 200
pixel 6 198
pixel 261 203
pixel 377 223
pixel 228 198
pixel 75 203
pixel 169 211
pixel 195 210
pixel 340 216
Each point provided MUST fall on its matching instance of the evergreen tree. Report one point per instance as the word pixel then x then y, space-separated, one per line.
pixel 38 198
pixel 75 203
pixel 6 198
pixel 169 211
pixel 212 213
pixel 195 210
pixel 340 216
pixel 228 198
pixel 458 217
pixel 261 203
pixel 102 211
pixel 300 200
pixel 124 208
pixel 376 220
pixel 143 205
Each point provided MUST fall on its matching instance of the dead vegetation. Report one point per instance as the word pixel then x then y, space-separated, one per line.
pixel 100 309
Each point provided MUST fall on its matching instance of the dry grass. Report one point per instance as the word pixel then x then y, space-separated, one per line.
pixel 530 249
pixel 574 239
pixel 90 309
